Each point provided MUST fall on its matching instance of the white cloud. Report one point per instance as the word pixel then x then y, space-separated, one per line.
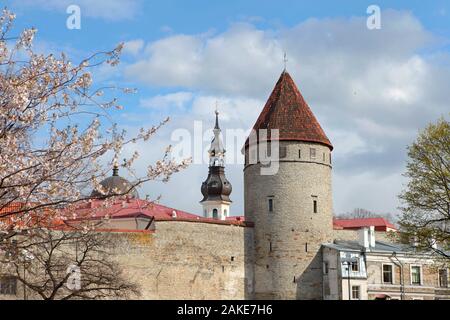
pixel 370 90
pixel 177 100
pixel 239 61
pixel 105 9
pixel 133 47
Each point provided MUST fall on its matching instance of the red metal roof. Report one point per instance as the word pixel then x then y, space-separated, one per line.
pixel 380 224
pixel 127 208
pixel 287 111
pixel 236 218
pixel 121 208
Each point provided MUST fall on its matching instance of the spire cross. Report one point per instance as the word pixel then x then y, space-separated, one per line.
pixel 285 60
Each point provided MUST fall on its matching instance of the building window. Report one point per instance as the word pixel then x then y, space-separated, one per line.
pixel 387 273
pixel 355 266
pixel 356 292
pixel 416 275
pixel 8 285
pixel 225 212
pixel 315 205
pixel 306 247
pixel 299 153
pixel 325 267
pixel 323 157
pixel 312 153
pixel 270 204
pixel 443 278
pixel 215 214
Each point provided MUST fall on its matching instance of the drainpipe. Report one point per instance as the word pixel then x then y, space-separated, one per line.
pixel 402 279
pixel 348 264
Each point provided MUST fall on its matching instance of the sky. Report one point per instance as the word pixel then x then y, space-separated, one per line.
pixel 371 90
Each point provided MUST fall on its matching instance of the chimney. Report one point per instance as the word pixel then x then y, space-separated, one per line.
pixel 372 236
pixel 363 236
pixel 414 241
pixel 366 236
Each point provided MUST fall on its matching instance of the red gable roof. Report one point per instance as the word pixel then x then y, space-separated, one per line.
pixel 287 111
pixel 380 224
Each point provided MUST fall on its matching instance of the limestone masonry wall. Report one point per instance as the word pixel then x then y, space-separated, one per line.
pixel 182 260
pixel 288 261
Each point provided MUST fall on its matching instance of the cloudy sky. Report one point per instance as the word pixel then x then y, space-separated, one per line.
pixel 371 90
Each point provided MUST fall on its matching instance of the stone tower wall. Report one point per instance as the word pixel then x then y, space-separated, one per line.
pixel 288 263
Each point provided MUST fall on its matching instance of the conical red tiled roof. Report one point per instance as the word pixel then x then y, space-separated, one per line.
pixel 287 111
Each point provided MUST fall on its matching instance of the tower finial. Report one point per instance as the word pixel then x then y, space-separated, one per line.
pixel 285 60
pixel 115 168
pixel 217 117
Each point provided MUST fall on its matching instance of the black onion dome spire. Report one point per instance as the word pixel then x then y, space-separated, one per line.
pixel 216 186
pixel 115 185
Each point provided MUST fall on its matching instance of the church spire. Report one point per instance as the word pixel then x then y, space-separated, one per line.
pixel 217 118
pixel 216 151
pixel 216 189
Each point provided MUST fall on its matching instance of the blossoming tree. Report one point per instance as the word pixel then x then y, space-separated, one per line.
pixel 55 134
pixel 48 158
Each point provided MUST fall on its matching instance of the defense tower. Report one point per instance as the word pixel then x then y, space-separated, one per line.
pixel 292 209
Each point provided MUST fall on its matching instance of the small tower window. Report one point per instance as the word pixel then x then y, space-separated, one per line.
pixel 314 203
pixel 325 267
pixel 283 152
pixel 312 153
pixel 215 215
pixel 225 213
pixel 323 157
pixel 270 204
pixel 299 153
pixel 330 157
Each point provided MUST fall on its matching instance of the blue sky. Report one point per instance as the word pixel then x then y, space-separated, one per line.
pixel 370 89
